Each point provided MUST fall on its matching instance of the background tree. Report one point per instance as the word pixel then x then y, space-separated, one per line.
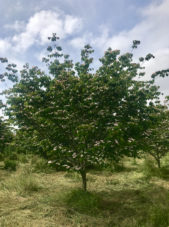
pixel 156 140
pixel 10 74
pixel 5 136
pixel 83 118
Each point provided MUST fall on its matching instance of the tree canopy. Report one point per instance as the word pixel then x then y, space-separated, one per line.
pixel 80 117
pixel 156 137
pixel 10 75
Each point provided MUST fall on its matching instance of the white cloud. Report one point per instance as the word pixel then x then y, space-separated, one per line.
pixel 43 24
pixel 36 31
pixel 4 47
pixel 153 33
pixel 90 38
pixel 100 41
pixel 17 26
pixel 78 42
pixel 72 24
pixel 160 62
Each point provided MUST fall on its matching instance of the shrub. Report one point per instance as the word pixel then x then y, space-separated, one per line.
pixel 23 158
pixel 40 165
pixel 118 166
pixel 149 169
pixel 1 157
pixel 13 156
pixel 165 161
pixel 73 175
pixel 10 165
pixel 95 167
pixel 114 167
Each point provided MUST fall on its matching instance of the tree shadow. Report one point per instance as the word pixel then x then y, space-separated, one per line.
pixel 132 204
pixel 125 205
pixel 164 173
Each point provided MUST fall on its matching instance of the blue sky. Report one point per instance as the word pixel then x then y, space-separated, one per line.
pixel 25 26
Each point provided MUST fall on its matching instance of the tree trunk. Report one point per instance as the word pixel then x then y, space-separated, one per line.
pixel 158 163
pixel 84 181
pixel 134 161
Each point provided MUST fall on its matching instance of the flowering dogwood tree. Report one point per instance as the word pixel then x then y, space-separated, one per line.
pixel 82 117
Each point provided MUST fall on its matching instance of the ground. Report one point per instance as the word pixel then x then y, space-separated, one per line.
pixel 136 194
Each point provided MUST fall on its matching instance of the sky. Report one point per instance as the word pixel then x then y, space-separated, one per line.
pixel 25 26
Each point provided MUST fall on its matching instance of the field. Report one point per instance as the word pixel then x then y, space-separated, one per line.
pixel 135 193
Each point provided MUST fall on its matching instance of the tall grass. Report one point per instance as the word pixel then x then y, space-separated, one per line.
pixel 40 165
pixel 22 183
pixel 29 197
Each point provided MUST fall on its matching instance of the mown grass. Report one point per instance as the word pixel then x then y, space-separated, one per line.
pixel 136 195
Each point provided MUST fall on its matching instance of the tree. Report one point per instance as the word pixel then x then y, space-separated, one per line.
pixel 10 75
pixel 156 138
pixel 5 135
pixel 82 118
pixel 23 143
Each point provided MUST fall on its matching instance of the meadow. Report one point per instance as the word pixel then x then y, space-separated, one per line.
pixel 131 193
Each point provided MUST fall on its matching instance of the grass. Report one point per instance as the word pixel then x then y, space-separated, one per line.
pixel 83 202
pixel 135 196
pixel 23 182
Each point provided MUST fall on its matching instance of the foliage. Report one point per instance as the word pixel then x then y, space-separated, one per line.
pixel 5 135
pixel 1 157
pixel 22 158
pixel 10 164
pixel 24 143
pixel 73 175
pixel 40 164
pixel 117 166
pixel 149 168
pixel 79 118
pixel 156 140
pixel 10 74
pixel 10 71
